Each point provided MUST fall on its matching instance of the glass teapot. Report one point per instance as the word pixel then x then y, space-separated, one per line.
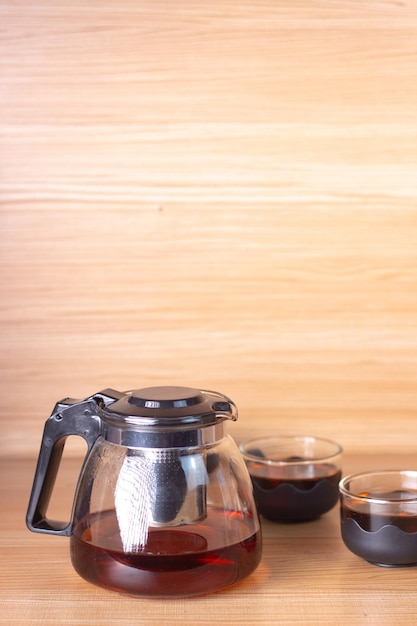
pixel 164 503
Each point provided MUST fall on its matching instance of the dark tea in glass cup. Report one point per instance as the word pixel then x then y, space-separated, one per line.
pixel 378 514
pixel 295 478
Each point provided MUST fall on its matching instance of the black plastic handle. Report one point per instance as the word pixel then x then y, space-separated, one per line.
pixel 70 417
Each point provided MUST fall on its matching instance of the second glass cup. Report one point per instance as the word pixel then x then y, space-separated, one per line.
pixel 295 478
pixel 379 516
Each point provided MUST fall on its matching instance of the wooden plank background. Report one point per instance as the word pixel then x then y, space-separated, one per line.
pixel 219 194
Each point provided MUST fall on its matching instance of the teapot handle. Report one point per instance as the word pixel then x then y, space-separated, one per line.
pixel 69 417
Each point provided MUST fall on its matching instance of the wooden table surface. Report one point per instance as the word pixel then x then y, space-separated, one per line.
pixel 306 575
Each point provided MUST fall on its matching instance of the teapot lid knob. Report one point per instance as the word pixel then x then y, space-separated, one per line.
pixel 165 397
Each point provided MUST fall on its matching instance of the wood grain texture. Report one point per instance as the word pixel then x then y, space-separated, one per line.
pixel 306 575
pixel 217 194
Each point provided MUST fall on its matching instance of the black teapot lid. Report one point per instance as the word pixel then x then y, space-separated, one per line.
pixel 169 407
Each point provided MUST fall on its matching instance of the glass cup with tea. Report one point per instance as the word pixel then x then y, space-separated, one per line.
pixel 295 478
pixel 379 516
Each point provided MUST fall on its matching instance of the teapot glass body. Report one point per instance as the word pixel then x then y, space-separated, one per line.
pixel 164 503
